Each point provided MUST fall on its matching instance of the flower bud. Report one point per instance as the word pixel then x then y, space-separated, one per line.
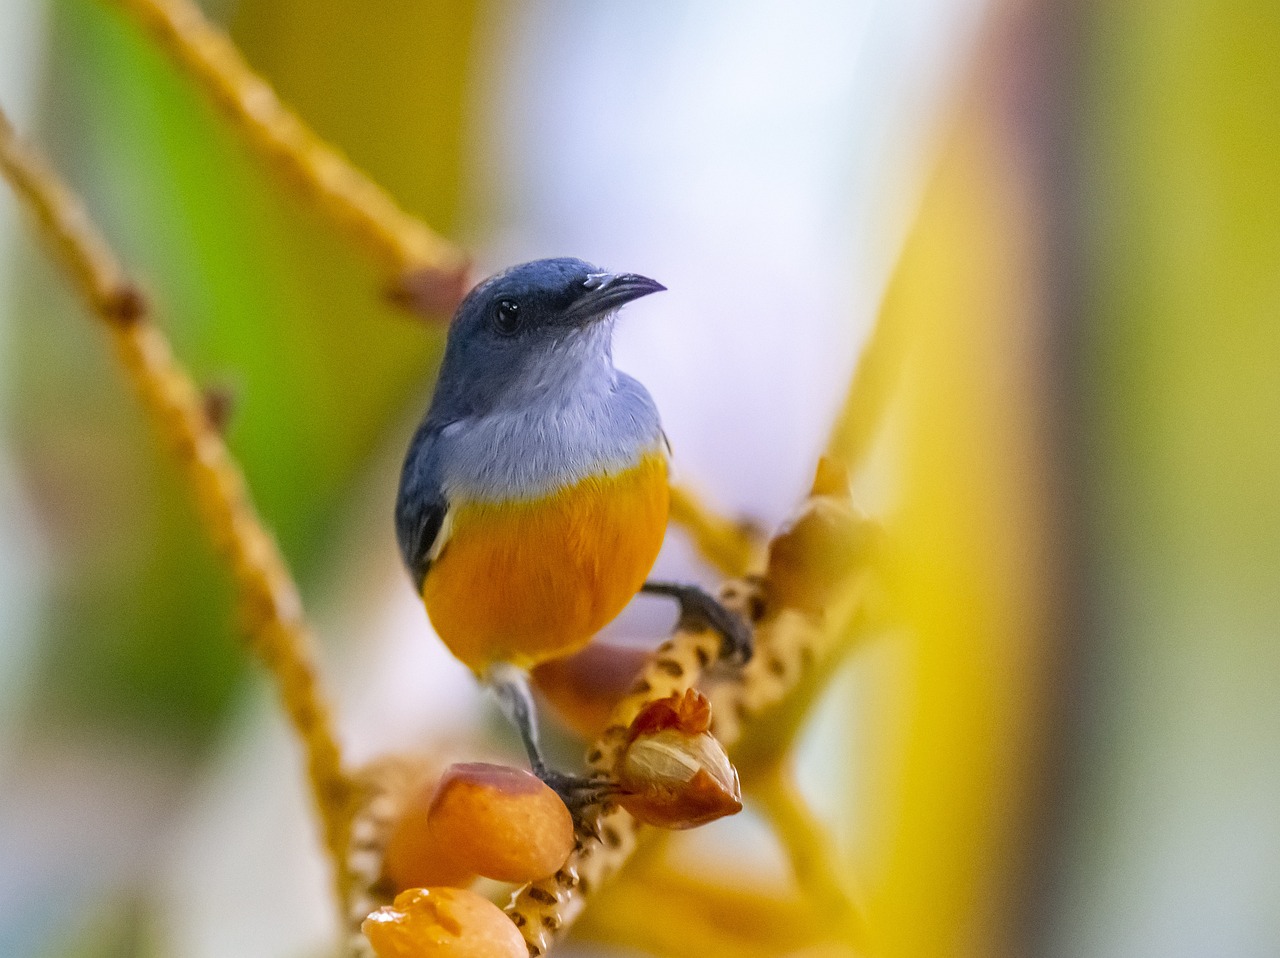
pixel 819 546
pixel 673 772
pixel 499 822
pixel 442 923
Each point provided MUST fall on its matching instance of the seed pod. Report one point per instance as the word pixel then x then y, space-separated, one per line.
pixel 499 822
pixel 442 923
pixel 673 772
pixel 581 690
pixel 413 858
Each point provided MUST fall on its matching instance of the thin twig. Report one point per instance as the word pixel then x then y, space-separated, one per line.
pixel 427 271
pixel 270 607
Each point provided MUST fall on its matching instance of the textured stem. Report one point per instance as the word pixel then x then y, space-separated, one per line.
pixel 271 611
pixel 544 909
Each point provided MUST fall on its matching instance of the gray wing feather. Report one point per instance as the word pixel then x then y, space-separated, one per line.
pixel 421 505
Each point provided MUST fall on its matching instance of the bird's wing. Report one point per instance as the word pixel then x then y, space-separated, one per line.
pixel 422 509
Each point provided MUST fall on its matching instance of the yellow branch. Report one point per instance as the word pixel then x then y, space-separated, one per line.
pixel 731 547
pixel 872 386
pixel 808 846
pixel 781 696
pixel 426 270
pixel 661 911
pixel 271 610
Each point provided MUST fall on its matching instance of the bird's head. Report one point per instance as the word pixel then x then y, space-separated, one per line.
pixel 532 331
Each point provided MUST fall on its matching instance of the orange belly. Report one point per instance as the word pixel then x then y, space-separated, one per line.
pixel 527 581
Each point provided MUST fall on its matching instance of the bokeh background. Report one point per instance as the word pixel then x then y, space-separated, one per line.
pixel 1071 744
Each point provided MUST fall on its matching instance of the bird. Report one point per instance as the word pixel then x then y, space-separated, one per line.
pixel 534 494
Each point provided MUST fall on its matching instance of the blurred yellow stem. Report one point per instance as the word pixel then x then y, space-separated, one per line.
pixel 271 610
pixel 426 270
pixel 809 848
pixel 665 912
pixel 971 567
pixel 874 380
pixel 731 547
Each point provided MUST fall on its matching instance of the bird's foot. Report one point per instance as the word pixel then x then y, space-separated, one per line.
pixel 579 793
pixel 700 609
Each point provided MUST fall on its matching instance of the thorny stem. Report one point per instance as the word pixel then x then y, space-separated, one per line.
pixel 427 271
pixel 270 607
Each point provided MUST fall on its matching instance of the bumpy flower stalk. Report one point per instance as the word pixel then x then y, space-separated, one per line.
pixel 809 596
pixel 542 909
pixel 271 611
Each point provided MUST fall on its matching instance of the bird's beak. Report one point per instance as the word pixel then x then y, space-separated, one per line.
pixel 604 292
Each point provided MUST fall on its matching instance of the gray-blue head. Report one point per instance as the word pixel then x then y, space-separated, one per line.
pixel 534 332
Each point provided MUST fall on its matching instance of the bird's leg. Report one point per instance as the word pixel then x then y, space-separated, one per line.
pixel 700 609
pixel 511 687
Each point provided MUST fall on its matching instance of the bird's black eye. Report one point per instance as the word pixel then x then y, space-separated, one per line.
pixel 506 317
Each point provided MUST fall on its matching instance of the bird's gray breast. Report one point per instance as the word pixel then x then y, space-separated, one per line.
pixel 526 453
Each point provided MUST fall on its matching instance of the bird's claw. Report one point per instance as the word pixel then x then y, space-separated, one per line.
pixel 579 793
pixel 700 609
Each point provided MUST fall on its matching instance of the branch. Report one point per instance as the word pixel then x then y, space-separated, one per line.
pixel 808 846
pixel 545 909
pixel 815 603
pixel 271 611
pixel 872 386
pixel 781 695
pixel 662 911
pixel 427 272
pixel 731 547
